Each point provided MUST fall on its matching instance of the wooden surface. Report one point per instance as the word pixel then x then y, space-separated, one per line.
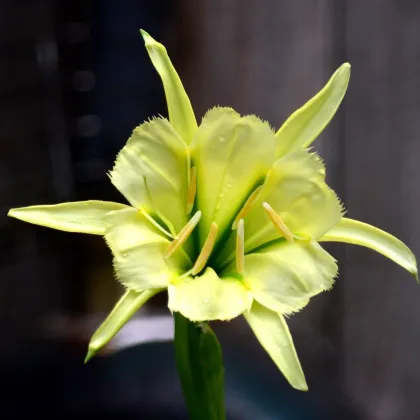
pixel 382 130
pixel 34 168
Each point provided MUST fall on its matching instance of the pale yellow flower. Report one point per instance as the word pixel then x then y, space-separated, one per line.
pixel 226 216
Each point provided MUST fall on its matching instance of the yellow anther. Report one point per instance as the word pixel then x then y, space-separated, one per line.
pixel 183 235
pixel 206 250
pixel 246 207
pixel 278 222
pixel 192 189
pixel 240 247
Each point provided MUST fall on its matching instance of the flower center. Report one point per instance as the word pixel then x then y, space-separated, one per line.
pixel 238 225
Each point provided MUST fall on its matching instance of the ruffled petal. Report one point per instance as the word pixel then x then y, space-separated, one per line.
pixel 273 334
pixel 296 191
pixel 181 114
pixel 232 155
pixel 138 248
pixel 151 171
pixel 304 125
pixel 208 297
pixel 78 216
pixel 284 276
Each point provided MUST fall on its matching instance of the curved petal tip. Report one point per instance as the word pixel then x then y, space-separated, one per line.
pixel 147 38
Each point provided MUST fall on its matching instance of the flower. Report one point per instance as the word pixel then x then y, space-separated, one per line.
pixel 226 216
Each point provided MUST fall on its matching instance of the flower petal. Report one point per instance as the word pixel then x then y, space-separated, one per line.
pixel 125 308
pixel 152 171
pixel 78 216
pixel 358 233
pixel 273 334
pixel 304 125
pixel 208 297
pixel 284 276
pixel 181 114
pixel 296 191
pixel 231 154
pixel 138 248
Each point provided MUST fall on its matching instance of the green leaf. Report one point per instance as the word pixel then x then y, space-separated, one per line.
pixel 231 154
pixel 200 365
pixel 358 233
pixel 304 125
pixel 273 334
pixel 208 297
pixel 125 308
pixel 181 114
pixel 138 248
pixel 284 276
pixel 78 216
pixel 152 170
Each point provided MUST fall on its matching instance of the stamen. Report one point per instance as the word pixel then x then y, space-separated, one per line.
pixel 240 247
pixel 206 250
pixel 183 235
pixel 157 212
pixel 154 223
pixel 186 274
pixel 249 203
pixel 278 222
pixel 192 189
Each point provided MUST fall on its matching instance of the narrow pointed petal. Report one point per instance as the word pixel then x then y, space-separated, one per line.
pixel 138 248
pixel 284 276
pixel 273 334
pixel 208 297
pixel 232 155
pixel 304 125
pixel 358 233
pixel 152 170
pixel 125 308
pixel 78 216
pixel 181 114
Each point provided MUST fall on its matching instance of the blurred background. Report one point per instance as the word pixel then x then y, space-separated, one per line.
pixel 75 79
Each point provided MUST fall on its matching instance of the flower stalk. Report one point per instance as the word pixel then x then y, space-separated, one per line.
pixel 200 367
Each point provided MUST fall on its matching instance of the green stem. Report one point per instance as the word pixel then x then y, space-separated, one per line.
pixel 200 367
